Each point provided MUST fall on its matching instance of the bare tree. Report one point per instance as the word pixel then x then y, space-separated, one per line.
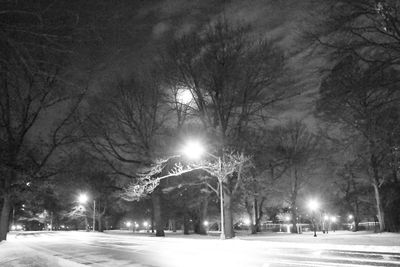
pixel 301 152
pixel 37 105
pixel 232 77
pixel 129 129
pixel 364 98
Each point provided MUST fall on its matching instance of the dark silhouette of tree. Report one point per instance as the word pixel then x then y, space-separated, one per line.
pixel 301 152
pixel 364 97
pixel 128 130
pixel 37 104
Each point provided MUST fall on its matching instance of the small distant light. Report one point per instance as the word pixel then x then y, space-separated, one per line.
pixel 28 183
pixel 62 226
pixel 205 223
pixel 333 219
pixel 350 217
pixel 326 217
pixel 246 221
pixel 18 227
pixel 13 227
pixel 136 225
pixel 287 218
pixel 128 224
pixel 145 224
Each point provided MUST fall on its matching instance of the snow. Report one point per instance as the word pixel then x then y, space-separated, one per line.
pixel 13 253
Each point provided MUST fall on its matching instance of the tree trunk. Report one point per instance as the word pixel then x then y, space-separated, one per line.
pixel 228 215
pixel 86 223
pixel 379 208
pixel 5 217
pixel 259 214
pixel 294 219
pixel 203 215
pixel 159 224
pixel 185 223
pixel 99 224
pixel 199 227
pixel 356 216
pixel 295 190
pixel 253 218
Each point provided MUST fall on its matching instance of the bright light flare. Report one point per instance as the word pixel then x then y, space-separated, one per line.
pixel 193 150
pixel 184 96
pixel 287 218
pixel 128 224
pixel 313 205
pixel 333 219
pixel 16 227
pixel 350 217
pixel 326 217
pixel 246 221
pixel 145 224
pixel 205 223
pixel 83 198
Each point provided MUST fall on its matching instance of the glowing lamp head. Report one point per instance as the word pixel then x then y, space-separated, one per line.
pixel 193 150
pixel 83 198
pixel 313 205
pixel 350 217
pixel 205 223
pixel 333 219
pixel 128 224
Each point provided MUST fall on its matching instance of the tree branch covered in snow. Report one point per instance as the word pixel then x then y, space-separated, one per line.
pixel 150 178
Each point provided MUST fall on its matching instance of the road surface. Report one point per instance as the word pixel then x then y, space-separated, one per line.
pixel 96 249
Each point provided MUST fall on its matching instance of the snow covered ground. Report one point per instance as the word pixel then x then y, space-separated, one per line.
pixel 15 252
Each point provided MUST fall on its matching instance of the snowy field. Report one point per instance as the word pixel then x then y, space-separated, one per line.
pixel 38 249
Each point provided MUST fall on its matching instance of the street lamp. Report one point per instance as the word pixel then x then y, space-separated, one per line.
pixel 194 150
pixel 313 206
pixel 83 198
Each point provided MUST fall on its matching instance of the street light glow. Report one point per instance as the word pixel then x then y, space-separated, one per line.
pixel 313 205
pixel 193 150
pixel 83 198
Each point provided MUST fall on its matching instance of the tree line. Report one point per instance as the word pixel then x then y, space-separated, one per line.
pixel 119 140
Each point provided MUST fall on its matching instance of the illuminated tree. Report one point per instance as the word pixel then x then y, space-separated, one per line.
pixel 233 77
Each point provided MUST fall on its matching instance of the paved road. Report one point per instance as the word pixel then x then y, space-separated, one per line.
pixel 100 250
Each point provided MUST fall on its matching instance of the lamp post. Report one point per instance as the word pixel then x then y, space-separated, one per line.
pixel 313 205
pixel 83 198
pixel 195 150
